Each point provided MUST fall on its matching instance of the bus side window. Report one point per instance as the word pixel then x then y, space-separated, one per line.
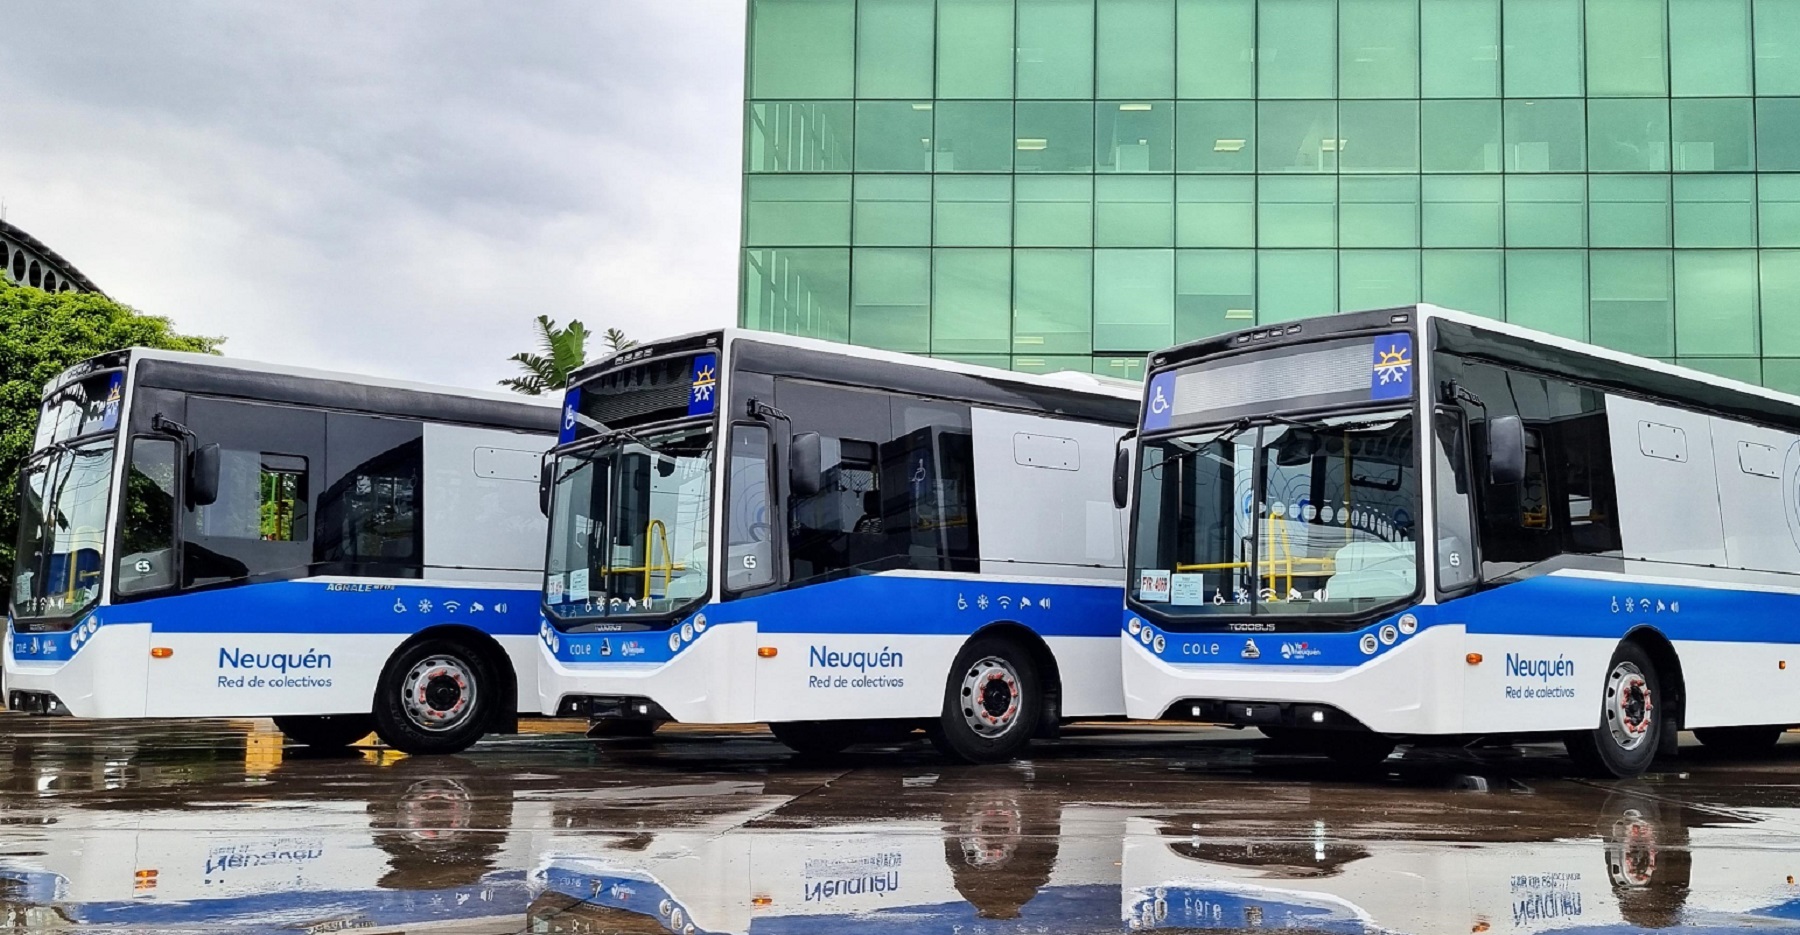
pixel 369 508
pixel 1455 537
pixel 147 522
pixel 749 538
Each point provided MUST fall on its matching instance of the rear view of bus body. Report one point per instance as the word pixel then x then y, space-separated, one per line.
pixel 340 553
pixel 839 542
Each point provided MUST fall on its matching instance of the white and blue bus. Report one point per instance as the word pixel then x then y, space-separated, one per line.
pixel 752 528
pixel 1418 525
pixel 207 537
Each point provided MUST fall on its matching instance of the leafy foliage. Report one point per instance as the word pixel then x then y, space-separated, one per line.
pixel 42 334
pixel 563 351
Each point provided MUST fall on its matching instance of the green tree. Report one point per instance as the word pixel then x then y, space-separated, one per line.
pixel 616 340
pixel 42 334
pixel 564 350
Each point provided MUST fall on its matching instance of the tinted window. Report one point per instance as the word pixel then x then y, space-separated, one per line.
pixel 896 486
pixel 370 508
pixel 749 542
pixel 147 521
pixel 262 522
pixel 1566 503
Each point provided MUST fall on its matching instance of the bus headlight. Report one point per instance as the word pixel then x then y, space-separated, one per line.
pixel 699 623
pixel 1147 635
pixel 1159 644
pixel 674 641
pixel 1368 644
pixel 1409 624
pixel 1133 626
pixel 687 632
pixel 1389 634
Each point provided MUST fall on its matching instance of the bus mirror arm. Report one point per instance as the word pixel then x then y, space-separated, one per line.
pixel 1505 449
pixel 202 461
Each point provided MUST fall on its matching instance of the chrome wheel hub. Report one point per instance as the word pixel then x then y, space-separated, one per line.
pixel 990 697
pixel 1628 708
pixel 439 693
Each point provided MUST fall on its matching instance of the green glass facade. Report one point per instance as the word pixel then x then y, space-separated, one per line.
pixel 1067 184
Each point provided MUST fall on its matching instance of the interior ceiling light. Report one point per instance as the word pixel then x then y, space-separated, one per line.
pixel 1227 146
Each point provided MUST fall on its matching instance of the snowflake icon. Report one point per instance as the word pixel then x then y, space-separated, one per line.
pixel 424 606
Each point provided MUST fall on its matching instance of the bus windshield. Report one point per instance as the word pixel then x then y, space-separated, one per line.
pixel 63 496
pixel 62 530
pixel 631 525
pixel 1277 516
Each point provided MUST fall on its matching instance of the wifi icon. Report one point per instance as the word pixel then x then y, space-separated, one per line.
pixel 451 606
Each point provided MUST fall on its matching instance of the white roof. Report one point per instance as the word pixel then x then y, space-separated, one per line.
pixel 238 363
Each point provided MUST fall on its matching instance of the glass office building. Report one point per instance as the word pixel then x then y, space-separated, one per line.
pixel 1053 184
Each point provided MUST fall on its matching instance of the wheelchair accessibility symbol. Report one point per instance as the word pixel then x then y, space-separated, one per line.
pixel 1160 409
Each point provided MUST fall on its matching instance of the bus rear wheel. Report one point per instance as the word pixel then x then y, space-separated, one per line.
pixel 817 738
pixel 436 696
pixel 992 702
pixel 1739 741
pixel 326 731
pixel 1631 721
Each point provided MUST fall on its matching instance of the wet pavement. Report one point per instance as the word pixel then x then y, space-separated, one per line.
pixel 214 826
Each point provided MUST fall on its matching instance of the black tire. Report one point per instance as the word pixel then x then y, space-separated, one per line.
pixel 326 731
pixel 994 681
pixel 1630 706
pixel 619 727
pixel 455 696
pixel 817 738
pixel 1740 741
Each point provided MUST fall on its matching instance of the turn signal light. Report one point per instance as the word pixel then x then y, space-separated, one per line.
pixel 1782 664
pixel 1473 659
pixel 766 652
pixel 145 874
pixel 161 652
pixel 762 902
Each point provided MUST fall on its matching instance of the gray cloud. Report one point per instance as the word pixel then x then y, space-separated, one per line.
pixel 395 188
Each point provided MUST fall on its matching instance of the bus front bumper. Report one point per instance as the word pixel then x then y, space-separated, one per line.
pixel 1416 688
pixel 106 677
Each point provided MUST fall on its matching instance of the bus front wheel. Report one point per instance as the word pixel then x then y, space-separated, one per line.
pixel 992 702
pixel 326 731
pixel 1631 720
pixel 436 696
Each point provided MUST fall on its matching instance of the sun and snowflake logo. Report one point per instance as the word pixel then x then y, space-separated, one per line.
pixel 1391 377
pixel 703 387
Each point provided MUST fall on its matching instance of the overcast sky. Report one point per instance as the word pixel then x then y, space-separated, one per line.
pixel 395 188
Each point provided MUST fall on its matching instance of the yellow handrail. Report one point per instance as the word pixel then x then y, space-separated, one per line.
pixel 661 532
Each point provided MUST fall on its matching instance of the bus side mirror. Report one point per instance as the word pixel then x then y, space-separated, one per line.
pixel 1122 474
pixel 203 476
pixel 1506 449
pixel 806 470
pixel 544 487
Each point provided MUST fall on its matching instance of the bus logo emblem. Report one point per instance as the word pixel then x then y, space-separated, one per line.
pixel 1250 650
pixel 1391 374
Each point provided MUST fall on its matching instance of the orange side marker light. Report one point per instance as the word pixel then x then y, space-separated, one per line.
pixel 161 652
pixel 766 652
pixel 1473 659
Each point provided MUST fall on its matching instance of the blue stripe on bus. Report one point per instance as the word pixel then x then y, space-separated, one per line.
pixel 1546 605
pixel 873 605
pixel 303 607
pixel 505 894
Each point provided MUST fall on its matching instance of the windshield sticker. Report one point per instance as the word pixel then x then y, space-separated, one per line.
pixel 1392 374
pixel 704 385
pixel 571 406
pixel 578 584
pixel 1187 590
pixel 553 590
pixel 1153 585
pixel 1159 404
